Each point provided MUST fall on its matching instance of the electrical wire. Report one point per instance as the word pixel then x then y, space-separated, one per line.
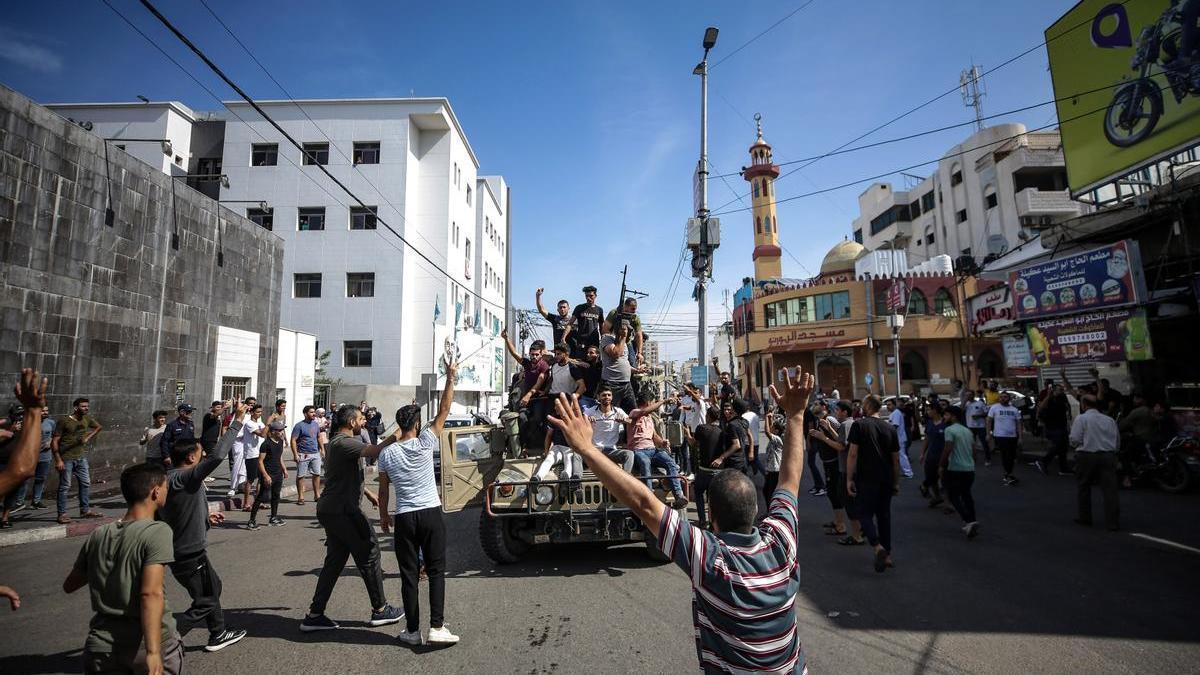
pixel 770 28
pixel 216 69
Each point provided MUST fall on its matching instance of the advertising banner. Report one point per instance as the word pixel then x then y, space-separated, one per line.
pixel 1115 335
pixel 1016 352
pixel 1101 278
pixel 476 356
pixel 1126 97
pixel 990 310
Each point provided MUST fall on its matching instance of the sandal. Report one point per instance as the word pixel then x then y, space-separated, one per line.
pixel 91 514
pixel 299 502
pixel 64 519
pixel 835 533
pixel 849 540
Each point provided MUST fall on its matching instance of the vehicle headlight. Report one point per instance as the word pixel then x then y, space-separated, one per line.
pixel 545 495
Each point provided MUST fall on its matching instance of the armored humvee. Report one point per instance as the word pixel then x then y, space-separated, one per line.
pixel 482 465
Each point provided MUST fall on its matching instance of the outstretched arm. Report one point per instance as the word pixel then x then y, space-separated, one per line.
pixel 512 350
pixel 31 393
pixel 443 412
pixel 537 298
pixel 792 401
pixel 628 490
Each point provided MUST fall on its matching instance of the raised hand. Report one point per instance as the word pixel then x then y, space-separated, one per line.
pixel 798 389
pixel 31 390
pixel 576 427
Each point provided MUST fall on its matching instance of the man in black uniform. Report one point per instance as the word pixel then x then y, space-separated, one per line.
pixel 180 427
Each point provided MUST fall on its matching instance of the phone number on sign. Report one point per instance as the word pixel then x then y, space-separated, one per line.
pixel 1098 336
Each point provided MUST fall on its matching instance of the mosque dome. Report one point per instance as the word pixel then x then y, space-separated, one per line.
pixel 841 257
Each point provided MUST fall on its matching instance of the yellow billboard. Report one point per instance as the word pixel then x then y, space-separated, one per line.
pixel 1128 93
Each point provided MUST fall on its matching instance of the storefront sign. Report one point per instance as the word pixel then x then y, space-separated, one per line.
pixel 1016 352
pixel 991 310
pixel 796 336
pixel 1098 279
pixel 180 387
pixel 1115 335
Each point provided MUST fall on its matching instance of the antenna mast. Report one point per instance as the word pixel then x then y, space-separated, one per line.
pixel 970 84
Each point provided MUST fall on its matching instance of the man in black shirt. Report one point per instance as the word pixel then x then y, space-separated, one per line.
pixel 210 427
pixel 708 438
pixel 873 477
pixel 825 438
pixel 591 370
pixel 734 439
pixel 272 473
pixel 588 317
pixel 347 530
pixel 561 322
pixel 1054 412
pixel 182 427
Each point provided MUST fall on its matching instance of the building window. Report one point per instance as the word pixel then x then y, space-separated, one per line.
pixel 316 153
pixel 467 259
pixel 913 367
pixel 927 202
pixel 858 236
pixel 758 225
pixel 823 307
pixel 929 236
pixel 754 187
pixel 943 304
pixel 208 169
pixel 366 153
pixel 990 201
pixel 360 285
pixel 264 154
pixel 356 353
pixel 362 217
pixel 468 195
pixel 264 218
pixel 234 388
pixel 961 216
pixel 306 285
pixel 917 304
pixel 889 217
pixel 914 209
pixel 956 177
pixel 311 218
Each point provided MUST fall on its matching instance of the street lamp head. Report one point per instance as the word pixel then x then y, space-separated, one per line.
pixel 710 37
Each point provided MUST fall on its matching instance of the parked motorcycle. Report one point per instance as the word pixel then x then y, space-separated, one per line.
pixel 1171 468
pixel 1137 105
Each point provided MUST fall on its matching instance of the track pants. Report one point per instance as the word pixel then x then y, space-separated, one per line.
pixel 421 534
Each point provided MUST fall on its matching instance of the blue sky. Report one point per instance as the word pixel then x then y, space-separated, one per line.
pixel 590 110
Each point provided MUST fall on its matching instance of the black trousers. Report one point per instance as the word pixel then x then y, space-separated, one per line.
pixel 1007 445
pixel 1059 441
pixel 1092 468
pixel 931 473
pixel 958 491
pixel 197 576
pixel 273 490
pixel 346 535
pixel 833 476
pixel 874 508
pixel 422 534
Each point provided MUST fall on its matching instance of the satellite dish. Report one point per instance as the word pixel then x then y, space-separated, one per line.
pixel 997 244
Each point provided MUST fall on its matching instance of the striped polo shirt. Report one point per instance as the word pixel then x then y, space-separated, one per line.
pixel 743 590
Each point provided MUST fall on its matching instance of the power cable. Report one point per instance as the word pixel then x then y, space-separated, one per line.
pixel 217 70
pixel 770 28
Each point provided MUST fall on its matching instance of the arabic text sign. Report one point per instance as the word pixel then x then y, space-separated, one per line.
pixel 803 336
pixel 1115 335
pixel 1016 352
pixel 990 310
pixel 1105 277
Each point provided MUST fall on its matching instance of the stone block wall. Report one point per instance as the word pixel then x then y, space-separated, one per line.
pixel 120 313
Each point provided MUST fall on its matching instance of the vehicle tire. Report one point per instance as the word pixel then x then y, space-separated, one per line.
pixel 1132 97
pixel 1174 477
pixel 495 535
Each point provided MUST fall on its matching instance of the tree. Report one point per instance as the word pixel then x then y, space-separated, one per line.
pixel 323 381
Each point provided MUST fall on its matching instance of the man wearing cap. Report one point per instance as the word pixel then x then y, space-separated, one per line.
pixel 181 427
pixel 588 318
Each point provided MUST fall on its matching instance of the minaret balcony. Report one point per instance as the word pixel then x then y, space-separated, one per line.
pixel 759 170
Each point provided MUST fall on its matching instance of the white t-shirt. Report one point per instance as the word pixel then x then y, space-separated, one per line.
pixel 976 414
pixel 694 417
pixel 606 427
pixel 1005 420
pixel 248 440
pixel 897 420
pixel 409 465
pixel 755 427
pixel 836 394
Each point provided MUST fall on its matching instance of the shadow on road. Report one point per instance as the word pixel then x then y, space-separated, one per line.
pixel 69 661
pixel 260 622
pixel 563 560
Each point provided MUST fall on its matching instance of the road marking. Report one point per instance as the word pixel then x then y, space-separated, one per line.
pixel 1166 542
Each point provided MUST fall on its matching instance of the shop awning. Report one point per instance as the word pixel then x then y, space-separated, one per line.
pixel 814 346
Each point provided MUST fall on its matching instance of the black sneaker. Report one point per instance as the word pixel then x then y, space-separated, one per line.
pixel 251 525
pixel 820 493
pixel 1068 472
pixel 1040 467
pixel 387 615
pixel 218 642
pixel 312 624
pixel 19 506
pixel 37 505
pixel 276 522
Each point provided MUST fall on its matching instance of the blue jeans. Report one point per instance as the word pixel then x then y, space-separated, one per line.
pixel 79 469
pixel 644 460
pixel 45 459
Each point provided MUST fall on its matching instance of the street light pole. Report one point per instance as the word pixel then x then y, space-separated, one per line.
pixel 702 259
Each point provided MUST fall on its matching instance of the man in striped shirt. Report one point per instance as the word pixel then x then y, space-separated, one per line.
pixel 744 578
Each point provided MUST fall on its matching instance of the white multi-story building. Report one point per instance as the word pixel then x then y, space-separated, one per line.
pixel 988 195
pixel 349 280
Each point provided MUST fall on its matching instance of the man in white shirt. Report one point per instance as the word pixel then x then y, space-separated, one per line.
pixel 245 472
pixel 976 411
pixel 563 378
pixel 896 417
pixel 1096 439
pixel 608 423
pixel 1004 428
pixel 755 426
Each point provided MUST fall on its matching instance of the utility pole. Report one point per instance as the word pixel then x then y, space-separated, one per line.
pixel 699 240
pixel 896 322
pixel 729 317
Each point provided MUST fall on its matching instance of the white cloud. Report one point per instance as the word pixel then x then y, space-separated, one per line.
pixel 23 50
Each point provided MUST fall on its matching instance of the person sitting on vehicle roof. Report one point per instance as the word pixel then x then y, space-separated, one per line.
pixel 607 424
pixel 648 445
pixel 558 452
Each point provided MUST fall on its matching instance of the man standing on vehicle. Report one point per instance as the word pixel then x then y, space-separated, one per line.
pixel 628 314
pixel 742 622
pixel 560 323
pixel 1004 427
pixel 420 531
pixel 69 446
pixel 588 318
pixel 617 371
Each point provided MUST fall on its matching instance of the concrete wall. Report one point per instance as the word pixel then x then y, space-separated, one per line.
pixel 117 314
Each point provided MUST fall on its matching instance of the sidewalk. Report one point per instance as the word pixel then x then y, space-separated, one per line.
pixel 31 526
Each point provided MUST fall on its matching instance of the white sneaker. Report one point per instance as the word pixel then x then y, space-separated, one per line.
pixel 231 494
pixel 442 636
pixel 413 638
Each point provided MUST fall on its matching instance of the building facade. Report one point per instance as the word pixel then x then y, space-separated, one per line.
pixel 986 197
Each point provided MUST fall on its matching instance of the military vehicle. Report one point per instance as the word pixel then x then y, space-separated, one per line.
pixel 486 469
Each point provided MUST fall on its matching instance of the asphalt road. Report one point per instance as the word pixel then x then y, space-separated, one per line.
pixel 1033 594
